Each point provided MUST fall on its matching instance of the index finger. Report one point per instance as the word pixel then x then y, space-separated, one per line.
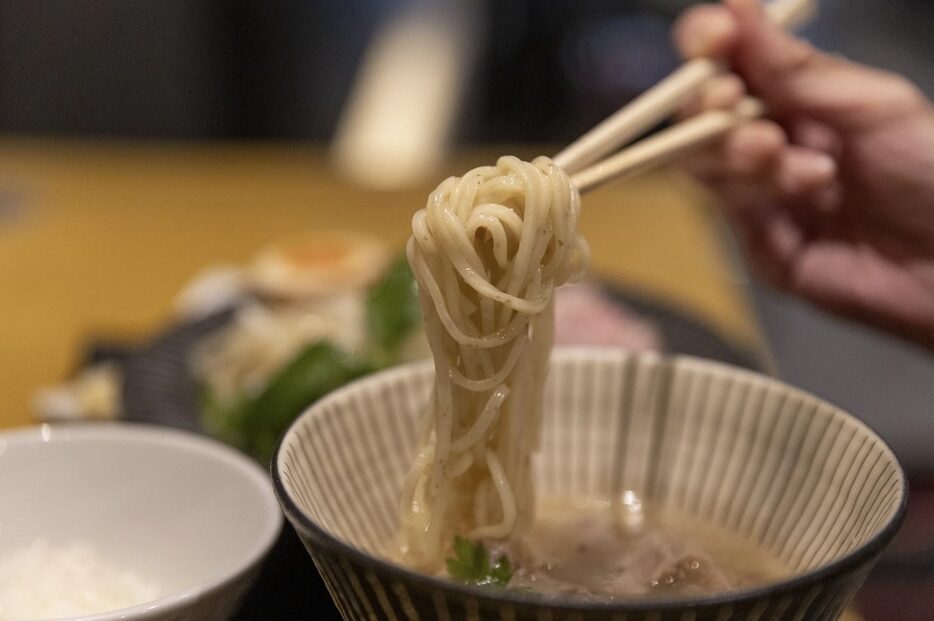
pixel 708 30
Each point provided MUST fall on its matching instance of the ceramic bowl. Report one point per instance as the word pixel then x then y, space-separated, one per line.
pixel 772 464
pixel 187 515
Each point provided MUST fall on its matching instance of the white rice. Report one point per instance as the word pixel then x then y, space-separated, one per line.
pixel 45 581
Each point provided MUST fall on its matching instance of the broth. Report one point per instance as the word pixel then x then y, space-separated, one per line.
pixel 600 551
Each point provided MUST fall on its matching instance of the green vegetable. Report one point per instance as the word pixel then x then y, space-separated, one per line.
pixel 471 565
pixel 392 312
pixel 224 421
pixel 255 424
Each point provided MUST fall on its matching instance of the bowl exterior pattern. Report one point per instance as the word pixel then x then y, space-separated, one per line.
pixel 772 464
pixel 364 593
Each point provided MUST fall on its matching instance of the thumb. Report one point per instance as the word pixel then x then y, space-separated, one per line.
pixel 797 80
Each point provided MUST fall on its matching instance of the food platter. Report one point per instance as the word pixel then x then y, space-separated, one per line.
pixel 159 388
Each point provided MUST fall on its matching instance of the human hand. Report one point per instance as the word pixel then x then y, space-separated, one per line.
pixel 834 196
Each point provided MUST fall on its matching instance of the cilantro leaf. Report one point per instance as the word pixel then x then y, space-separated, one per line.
pixel 501 572
pixel 471 565
pixel 392 311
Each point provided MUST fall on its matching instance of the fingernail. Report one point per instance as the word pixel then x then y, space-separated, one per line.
pixel 823 166
pixel 806 172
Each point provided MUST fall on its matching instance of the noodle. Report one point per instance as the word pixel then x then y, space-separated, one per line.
pixel 488 250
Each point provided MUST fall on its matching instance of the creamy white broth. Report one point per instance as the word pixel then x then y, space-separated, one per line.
pixel 601 551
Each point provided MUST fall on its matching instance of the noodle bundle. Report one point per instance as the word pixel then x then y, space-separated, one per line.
pixel 487 251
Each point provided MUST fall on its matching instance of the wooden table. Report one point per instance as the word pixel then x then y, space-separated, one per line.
pixel 96 238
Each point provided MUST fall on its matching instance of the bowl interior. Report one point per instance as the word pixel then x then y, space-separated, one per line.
pixel 179 511
pixel 775 465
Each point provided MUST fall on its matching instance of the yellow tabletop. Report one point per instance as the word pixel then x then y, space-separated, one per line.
pixel 96 238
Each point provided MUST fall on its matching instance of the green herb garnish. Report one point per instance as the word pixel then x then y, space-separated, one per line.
pixel 392 312
pixel 471 565
pixel 255 423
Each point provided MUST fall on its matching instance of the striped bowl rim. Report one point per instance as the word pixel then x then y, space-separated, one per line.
pixel 796 582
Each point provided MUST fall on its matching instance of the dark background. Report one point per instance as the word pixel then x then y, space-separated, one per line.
pixel 248 69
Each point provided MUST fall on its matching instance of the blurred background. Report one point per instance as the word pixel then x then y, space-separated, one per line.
pixel 314 71
pixel 543 71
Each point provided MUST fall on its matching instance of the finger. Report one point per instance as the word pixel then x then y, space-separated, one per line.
pixel 706 30
pixel 778 170
pixel 753 148
pixel 794 78
pixel 771 241
pixel 824 275
pixel 803 171
pixel 782 242
pixel 816 136
pixel 812 212
pixel 748 153
pixel 722 92
pixel 882 293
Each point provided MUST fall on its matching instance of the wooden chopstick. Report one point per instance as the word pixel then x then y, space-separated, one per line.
pixel 667 144
pixel 663 100
pixel 645 111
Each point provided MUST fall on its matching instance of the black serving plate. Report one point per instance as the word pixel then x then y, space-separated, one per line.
pixel 158 388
